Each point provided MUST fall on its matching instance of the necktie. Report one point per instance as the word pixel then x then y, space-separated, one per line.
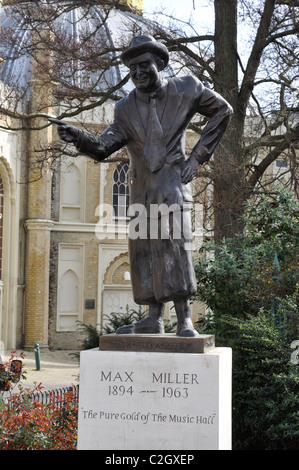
pixel 154 148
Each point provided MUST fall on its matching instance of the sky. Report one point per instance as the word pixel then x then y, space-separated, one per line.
pixel 202 17
pixel 201 13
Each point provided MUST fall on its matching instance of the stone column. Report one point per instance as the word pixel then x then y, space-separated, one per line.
pixel 37 282
pixel 38 224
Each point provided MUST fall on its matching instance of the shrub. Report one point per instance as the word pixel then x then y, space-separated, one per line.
pixel 249 271
pixel 11 372
pixel 26 424
pixel 250 283
pixel 265 382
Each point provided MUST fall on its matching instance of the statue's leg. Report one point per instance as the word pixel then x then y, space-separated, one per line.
pixel 152 324
pixel 184 326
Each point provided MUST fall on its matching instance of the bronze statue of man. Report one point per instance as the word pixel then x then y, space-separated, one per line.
pixel 151 122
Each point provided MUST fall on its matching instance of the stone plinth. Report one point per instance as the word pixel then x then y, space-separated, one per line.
pixel 137 400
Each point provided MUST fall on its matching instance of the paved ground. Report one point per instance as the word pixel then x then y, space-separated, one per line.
pixel 58 369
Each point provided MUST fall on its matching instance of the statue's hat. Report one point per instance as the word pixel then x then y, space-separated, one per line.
pixel 145 43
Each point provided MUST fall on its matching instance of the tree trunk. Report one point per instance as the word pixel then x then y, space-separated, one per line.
pixel 227 165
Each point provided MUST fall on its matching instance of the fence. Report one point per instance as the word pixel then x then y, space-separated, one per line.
pixel 56 396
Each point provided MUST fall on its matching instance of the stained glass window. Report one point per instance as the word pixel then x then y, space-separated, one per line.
pixel 121 191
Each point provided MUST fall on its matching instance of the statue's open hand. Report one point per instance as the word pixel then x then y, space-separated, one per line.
pixel 189 169
pixel 66 132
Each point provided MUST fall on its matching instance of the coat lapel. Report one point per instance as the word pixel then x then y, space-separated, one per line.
pixel 172 108
pixel 134 117
pixel 167 111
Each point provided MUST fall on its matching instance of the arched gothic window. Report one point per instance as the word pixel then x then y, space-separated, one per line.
pixel 1 224
pixel 121 191
pixel 70 286
pixel 72 193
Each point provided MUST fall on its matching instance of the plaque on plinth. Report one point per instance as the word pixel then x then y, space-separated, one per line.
pixel 168 343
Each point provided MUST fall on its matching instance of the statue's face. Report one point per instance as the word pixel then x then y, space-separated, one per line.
pixel 145 72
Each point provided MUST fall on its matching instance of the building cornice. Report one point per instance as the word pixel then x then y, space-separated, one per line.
pixel 38 224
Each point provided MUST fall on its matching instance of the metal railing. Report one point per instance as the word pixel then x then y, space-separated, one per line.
pixel 55 397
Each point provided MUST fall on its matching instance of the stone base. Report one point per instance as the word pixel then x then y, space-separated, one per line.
pixel 157 343
pixel 151 400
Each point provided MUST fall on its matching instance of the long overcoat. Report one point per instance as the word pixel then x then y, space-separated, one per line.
pixel 161 269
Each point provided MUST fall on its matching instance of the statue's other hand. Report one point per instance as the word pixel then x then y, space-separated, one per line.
pixel 189 169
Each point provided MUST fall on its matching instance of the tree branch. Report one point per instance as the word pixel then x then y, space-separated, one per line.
pixel 289 138
pixel 255 56
pixel 291 3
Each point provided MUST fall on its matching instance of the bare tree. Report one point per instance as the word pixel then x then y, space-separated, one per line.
pixel 63 62
pixel 263 90
pixel 260 84
pixel 75 66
